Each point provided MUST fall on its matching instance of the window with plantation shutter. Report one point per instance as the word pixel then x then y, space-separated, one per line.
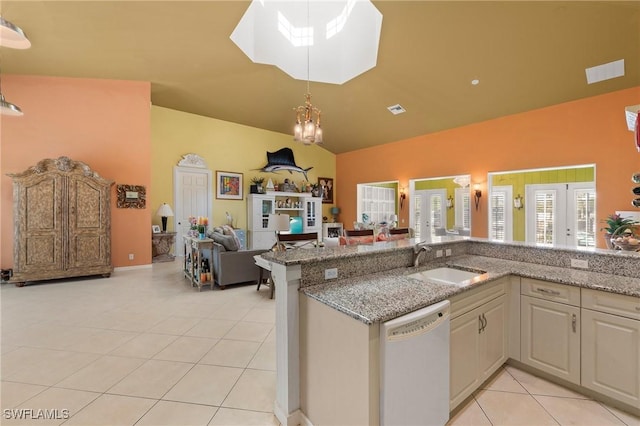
pixel 584 217
pixel 500 213
pixel 462 208
pixel 417 214
pixel 545 217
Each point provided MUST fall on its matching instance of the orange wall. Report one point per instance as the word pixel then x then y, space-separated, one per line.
pixel 104 123
pixel 591 130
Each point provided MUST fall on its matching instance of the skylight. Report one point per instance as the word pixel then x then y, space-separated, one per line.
pixel 324 41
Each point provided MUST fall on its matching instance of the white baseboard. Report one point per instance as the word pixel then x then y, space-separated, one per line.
pixel 131 268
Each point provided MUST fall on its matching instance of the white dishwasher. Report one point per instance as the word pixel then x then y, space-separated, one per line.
pixel 414 368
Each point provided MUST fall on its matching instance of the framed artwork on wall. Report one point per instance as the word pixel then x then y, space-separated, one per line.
pixel 327 189
pixel 228 185
pixel 131 197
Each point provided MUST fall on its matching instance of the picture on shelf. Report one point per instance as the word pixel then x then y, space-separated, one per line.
pixel 326 184
pixel 229 185
pixel 155 229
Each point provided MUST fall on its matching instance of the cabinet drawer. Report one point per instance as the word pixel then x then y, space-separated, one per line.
pixel 561 293
pixel 616 304
pixel 467 301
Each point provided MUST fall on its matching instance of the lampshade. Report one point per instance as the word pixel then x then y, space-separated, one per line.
pixel 164 211
pixel 12 36
pixel 279 222
pixel 335 210
pixel 393 218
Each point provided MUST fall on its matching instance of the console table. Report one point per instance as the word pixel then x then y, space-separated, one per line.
pixel 162 242
pixel 195 250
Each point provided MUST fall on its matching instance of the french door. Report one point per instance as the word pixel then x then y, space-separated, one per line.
pixel 429 212
pixel 561 214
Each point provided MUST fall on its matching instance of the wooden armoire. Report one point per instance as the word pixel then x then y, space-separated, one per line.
pixel 62 222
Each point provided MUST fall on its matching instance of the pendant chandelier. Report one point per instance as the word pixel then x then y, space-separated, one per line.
pixel 306 129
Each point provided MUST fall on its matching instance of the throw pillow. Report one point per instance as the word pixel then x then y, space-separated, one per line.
pixel 228 230
pixel 226 241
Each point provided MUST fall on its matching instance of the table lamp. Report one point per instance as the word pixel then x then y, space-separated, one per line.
pixel 393 219
pixel 279 223
pixel 335 211
pixel 164 211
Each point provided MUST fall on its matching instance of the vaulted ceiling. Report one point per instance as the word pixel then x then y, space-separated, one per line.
pixel 526 55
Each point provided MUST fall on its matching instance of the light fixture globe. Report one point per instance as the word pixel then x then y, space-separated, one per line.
pixel 7 108
pixel 12 35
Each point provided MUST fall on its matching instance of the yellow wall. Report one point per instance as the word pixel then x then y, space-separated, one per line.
pixel 518 180
pixel 228 147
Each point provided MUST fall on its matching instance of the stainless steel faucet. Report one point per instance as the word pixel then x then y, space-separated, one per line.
pixel 418 249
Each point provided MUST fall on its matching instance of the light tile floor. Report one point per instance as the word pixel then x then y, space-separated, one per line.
pixel 145 348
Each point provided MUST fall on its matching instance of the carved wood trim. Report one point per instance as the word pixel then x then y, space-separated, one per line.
pixel 60 164
pixel 192 160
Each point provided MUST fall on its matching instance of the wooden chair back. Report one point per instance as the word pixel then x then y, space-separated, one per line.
pixel 358 232
pixel 397 231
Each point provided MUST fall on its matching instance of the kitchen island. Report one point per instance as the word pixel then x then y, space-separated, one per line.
pixel 374 285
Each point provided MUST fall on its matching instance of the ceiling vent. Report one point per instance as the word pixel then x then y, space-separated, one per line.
pixel 396 109
pixel 605 71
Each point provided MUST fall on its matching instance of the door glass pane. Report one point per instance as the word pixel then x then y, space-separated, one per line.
pixel 436 213
pixel 544 217
pixel 417 213
pixel 585 218
pixel 498 213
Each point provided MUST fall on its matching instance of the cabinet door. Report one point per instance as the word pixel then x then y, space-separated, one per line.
pixel 40 228
pixel 89 223
pixel 464 356
pixel 550 337
pixel 611 356
pixel 312 214
pixel 493 338
pixel 259 207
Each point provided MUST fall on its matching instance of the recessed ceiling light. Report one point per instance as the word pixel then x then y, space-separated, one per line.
pixel 396 109
pixel 475 81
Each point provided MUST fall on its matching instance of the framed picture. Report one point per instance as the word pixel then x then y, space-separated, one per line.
pixel 131 197
pixel 327 189
pixel 155 229
pixel 228 185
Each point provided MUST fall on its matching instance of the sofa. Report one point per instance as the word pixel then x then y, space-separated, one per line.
pixel 231 265
pixel 234 267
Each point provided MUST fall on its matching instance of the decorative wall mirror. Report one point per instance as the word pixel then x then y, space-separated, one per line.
pixel 440 206
pixel 546 207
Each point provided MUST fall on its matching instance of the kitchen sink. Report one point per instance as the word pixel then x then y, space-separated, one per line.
pixel 446 275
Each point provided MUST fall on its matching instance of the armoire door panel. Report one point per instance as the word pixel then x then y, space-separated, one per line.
pixel 41 201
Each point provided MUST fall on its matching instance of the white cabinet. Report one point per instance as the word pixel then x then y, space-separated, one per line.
pixel 611 345
pixel 299 206
pixel 478 338
pixel 550 331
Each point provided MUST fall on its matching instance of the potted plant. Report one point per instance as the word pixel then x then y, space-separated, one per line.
pixel 616 225
pixel 256 185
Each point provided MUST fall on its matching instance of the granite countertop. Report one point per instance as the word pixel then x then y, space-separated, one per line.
pixel 390 294
pixel 313 254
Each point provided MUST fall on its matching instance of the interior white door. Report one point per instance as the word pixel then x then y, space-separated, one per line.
pixel 430 212
pixel 192 198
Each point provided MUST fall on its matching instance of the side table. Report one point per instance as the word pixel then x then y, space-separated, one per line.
pixel 162 243
pixel 195 250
